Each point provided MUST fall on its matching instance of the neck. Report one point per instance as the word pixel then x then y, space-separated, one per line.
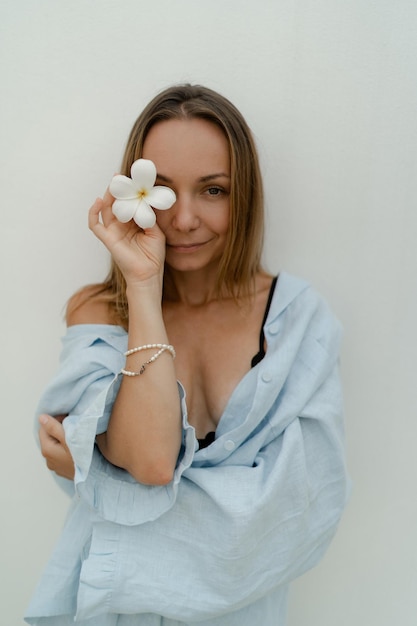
pixel 191 288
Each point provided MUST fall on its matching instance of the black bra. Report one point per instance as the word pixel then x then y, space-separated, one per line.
pixel 260 355
pixel 209 438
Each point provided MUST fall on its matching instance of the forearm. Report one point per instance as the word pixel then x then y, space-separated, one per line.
pixel 144 432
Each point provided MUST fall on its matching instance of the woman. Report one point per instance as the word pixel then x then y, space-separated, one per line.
pixel 198 500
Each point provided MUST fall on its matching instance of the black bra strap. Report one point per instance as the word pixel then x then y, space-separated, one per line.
pixel 260 355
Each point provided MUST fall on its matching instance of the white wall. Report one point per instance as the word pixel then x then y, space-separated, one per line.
pixel 329 88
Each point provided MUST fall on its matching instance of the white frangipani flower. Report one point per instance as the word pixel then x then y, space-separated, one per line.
pixel 135 196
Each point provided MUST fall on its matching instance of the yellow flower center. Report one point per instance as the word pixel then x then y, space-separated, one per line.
pixel 142 193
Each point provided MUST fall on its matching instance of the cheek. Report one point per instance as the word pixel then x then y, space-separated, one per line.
pixel 217 216
pixel 223 221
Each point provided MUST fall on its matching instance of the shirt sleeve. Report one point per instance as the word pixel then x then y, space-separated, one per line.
pixel 84 389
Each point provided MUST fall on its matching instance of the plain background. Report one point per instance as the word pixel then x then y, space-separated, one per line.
pixel 329 89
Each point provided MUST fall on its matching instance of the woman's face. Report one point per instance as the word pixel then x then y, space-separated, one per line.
pixel 192 157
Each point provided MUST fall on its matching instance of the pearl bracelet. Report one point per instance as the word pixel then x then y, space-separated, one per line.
pixel 162 348
pixel 149 346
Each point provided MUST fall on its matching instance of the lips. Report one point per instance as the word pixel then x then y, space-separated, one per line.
pixel 186 246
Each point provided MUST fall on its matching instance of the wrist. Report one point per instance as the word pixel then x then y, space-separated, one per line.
pixel 150 289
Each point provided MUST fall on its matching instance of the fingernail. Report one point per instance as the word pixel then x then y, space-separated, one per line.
pixel 43 419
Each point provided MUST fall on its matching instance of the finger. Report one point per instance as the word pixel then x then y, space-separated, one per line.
pixel 100 216
pixel 94 212
pixel 94 223
pixel 106 211
pixel 49 445
pixel 44 440
pixel 52 428
pixel 108 199
pixel 57 456
pixel 154 231
pixel 60 418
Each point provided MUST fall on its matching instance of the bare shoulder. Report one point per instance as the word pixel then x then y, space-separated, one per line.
pixel 89 305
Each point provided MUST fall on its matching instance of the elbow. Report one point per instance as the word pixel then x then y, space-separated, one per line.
pixel 155 475
pixel 151 469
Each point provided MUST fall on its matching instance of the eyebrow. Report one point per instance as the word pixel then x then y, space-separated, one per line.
pixel 202 179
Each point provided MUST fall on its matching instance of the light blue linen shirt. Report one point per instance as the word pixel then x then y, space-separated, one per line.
pixel 240 520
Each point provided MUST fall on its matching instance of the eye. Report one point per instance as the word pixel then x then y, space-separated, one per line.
pixel 214 191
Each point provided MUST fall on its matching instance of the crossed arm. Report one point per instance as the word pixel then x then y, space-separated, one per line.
pixel 146 444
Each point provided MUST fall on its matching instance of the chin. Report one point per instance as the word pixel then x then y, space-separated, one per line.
pixel 188 264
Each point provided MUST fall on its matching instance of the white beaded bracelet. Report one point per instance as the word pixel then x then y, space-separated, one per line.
pixel 162 348
pixel 149 346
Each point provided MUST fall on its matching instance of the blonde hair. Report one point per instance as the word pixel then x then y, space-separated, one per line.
pixel 241 257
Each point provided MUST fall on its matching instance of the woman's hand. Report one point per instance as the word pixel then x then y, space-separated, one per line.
pixel 140 254
pixel 53 446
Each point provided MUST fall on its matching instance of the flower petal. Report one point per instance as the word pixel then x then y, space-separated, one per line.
pixel 143 174
pixel 124 210
pixel 144 216
pixel 121 187
pixel 161 197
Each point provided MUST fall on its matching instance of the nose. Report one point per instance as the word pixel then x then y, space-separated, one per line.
pixel 184 215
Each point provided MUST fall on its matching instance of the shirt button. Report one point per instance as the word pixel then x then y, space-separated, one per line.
pixel 273 329
pixel 266 377
pixel 229 444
